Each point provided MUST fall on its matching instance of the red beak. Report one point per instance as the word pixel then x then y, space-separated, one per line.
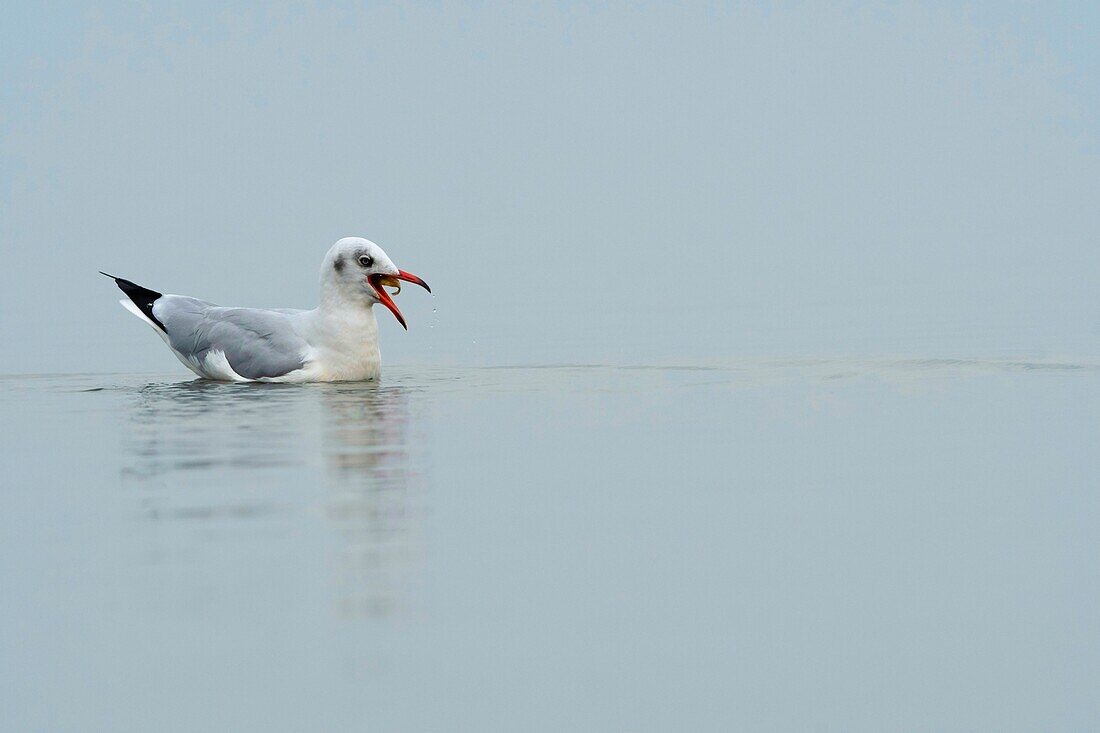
pixel 378 283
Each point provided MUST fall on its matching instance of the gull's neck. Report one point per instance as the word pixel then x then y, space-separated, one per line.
pixel 334 298
pixel 351 316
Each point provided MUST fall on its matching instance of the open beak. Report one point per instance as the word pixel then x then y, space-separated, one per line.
pixel 381 282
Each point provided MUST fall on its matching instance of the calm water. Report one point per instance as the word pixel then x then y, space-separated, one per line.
pixel 813 545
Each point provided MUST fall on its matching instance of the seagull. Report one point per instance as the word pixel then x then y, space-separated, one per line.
pixel 335 342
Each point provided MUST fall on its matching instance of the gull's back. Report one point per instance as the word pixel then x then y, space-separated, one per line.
pixel 232 343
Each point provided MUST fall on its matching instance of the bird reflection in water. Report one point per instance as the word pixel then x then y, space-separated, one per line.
pixel 374 494
pixel 258 463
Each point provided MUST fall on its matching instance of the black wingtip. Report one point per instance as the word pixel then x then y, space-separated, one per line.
pixel 143 298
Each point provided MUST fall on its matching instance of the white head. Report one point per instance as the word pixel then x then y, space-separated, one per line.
pixel 356 272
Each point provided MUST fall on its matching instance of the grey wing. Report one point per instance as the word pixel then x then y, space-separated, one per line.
pixel 257 343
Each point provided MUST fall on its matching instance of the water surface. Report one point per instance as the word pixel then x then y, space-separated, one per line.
pixel 771 545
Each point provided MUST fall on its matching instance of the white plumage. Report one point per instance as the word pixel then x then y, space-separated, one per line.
pixel 336 341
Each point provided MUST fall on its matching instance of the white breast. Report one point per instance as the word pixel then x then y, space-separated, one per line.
pixel 344 347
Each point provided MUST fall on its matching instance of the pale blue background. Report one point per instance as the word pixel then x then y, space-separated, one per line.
pixel 633 182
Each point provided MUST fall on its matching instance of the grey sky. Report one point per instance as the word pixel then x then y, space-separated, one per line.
pixel 628 183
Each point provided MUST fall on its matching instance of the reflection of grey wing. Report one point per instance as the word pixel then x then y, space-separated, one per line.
pixel 256 343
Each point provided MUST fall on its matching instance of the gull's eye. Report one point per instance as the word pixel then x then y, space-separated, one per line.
pixel 366 260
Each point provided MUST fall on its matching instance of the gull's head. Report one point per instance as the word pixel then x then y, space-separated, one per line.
pixel 359 271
